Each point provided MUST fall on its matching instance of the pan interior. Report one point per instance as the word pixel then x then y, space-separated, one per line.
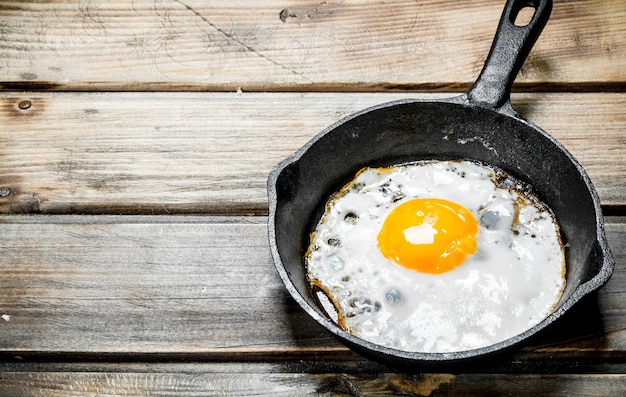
pixel 411 131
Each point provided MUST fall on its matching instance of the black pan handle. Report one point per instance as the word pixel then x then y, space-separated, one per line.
pixel 510 47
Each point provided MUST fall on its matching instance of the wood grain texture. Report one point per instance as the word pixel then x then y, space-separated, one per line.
pixel 295 45
pixel 204 288
pixel 211 153
pixel 252 383
pixel 146 108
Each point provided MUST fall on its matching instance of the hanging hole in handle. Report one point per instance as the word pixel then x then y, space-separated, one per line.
pixel 524 16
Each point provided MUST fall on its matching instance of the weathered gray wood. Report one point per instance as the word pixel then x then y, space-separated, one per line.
pixel 261 379
pixel 205 288
pixel 163 285
pixel 288 45
pixel 191 305
pixel 210 153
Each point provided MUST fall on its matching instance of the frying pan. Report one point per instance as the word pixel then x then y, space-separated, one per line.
pixel 480 125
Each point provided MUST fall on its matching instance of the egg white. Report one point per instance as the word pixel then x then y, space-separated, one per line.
pixel 510 284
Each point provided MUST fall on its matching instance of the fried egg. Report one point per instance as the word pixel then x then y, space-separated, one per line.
pixel 436 256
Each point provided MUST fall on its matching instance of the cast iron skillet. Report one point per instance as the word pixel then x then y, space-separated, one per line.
pixel 479 125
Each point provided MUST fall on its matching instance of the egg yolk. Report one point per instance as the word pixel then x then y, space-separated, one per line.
pixel 429 235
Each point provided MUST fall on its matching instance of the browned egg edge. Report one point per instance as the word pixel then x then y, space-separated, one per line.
pixel 499 177
pixel 318 287
pixel 526 195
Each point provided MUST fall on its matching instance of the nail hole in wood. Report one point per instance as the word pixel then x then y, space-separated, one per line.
pixel 26 104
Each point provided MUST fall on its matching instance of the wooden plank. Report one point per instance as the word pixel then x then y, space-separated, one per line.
pixel 210 153
pixel 303 45
pixel 204 288
pixel 252 383
pixel 139 286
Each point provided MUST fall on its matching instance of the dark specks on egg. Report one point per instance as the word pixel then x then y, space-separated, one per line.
pixel 334 242
pixel 363 305
pixel 397 197
pixel 398 194
pixel 371 299
pixel 394 192
pixel 357 187
pixel 386 190
pixel 350 217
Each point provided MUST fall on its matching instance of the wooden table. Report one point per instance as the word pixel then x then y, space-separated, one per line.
pixel 136 138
